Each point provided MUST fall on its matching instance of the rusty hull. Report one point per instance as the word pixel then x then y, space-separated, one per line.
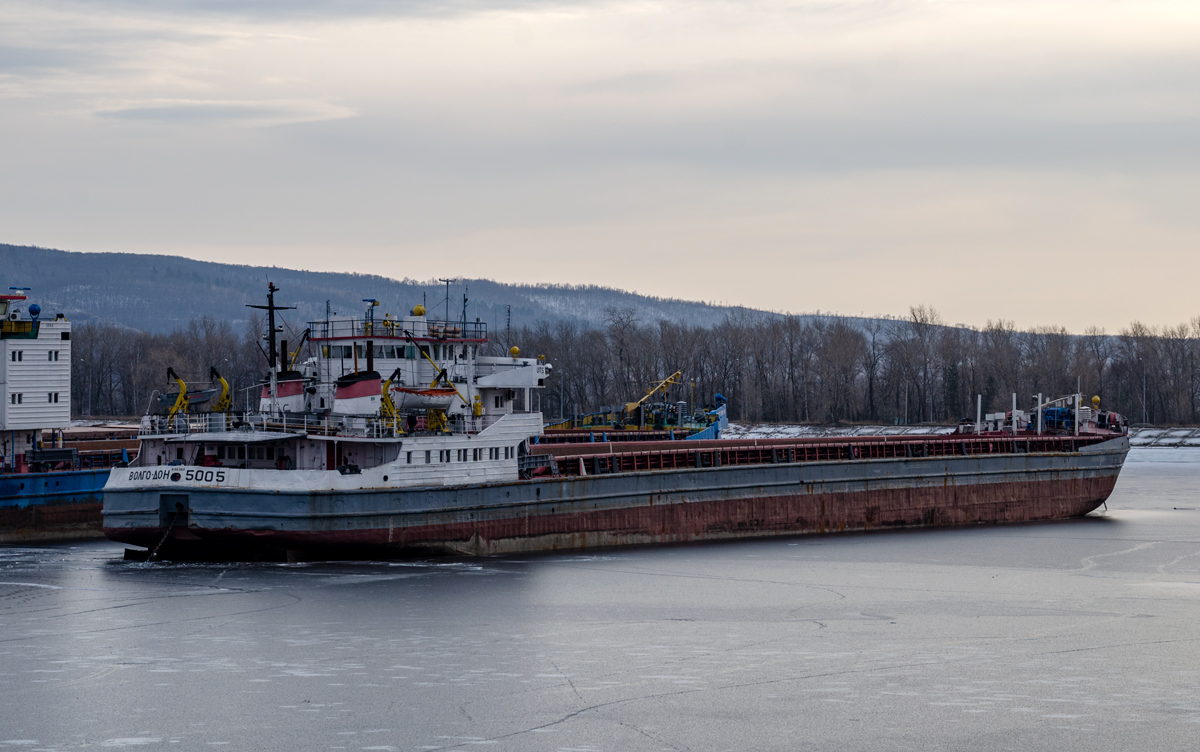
pixel 52 521
pixel 668 506
pixel 51 505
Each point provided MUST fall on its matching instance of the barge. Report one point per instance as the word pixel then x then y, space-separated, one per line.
pixel 386 482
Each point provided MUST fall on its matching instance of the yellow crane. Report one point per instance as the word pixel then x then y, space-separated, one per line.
pixel 674 379
pixel 387 408
pixel 224 403
pixel 181 400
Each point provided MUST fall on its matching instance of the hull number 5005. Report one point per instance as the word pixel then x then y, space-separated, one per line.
pixel 162 473
pixel 204 476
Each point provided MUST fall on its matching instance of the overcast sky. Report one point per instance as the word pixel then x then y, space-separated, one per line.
pixel 1033 161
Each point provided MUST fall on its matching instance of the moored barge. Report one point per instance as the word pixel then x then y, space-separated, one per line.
pixel 367 477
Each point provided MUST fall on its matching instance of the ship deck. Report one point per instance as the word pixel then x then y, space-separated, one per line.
pixel 604 458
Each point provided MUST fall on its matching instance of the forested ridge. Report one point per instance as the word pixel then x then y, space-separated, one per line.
pixel 772 368
pixel 161 294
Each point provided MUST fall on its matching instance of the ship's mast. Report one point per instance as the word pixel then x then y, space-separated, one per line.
pixel 272 353
pixel 447 297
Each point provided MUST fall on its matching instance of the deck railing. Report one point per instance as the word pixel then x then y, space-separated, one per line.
pixel 328 425
pixel 390 328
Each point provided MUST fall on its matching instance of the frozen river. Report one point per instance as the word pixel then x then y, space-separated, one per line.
pixel 1082 635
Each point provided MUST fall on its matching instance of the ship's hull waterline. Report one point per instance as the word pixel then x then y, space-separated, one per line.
pixel 693 504
pixel 51 506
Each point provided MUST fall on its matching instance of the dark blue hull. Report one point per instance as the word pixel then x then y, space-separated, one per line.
pixel 55 505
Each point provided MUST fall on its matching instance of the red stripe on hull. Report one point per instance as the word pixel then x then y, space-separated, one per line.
pixel 284 389
pixel 364 388
pixel 946 505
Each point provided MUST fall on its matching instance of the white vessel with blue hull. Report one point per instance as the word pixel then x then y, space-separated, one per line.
pixel 47 490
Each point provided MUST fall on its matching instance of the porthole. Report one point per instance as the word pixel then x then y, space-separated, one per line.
pixel 385 478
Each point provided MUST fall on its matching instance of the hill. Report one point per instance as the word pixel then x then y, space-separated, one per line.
pixel 159 293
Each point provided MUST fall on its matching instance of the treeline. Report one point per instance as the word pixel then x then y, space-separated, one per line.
pixel 117 371
pixel 906 370
pixel 772 369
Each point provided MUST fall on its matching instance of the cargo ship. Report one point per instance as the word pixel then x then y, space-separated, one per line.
pixel 463 470
pixel 48 489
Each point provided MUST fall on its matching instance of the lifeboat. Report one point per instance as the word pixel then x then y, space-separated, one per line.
pixel 289 393
pixel 424 398
pixel 358 393
pixel 194 397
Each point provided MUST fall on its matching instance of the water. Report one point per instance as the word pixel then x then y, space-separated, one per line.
pixel 1081 635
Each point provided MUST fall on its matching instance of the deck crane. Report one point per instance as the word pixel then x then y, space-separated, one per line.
pixel 224 403
pixel 291 362
pixel 632 408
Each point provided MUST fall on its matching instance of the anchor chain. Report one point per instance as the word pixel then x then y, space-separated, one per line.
pixel 170 525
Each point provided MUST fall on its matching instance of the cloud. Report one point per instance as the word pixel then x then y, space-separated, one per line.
pixel 275 11
pixel 867 148
pixel 245 113
pixel 16 59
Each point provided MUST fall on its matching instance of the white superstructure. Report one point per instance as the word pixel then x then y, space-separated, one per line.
pixel 35 374
pixel 409 351
pixel 385 403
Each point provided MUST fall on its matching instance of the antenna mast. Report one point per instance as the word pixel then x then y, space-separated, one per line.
pixel 447 297
pixel 272 353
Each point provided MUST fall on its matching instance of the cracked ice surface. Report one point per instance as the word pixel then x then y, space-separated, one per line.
pixel 1077 636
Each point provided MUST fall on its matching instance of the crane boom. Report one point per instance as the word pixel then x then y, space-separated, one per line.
pixel 673 380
